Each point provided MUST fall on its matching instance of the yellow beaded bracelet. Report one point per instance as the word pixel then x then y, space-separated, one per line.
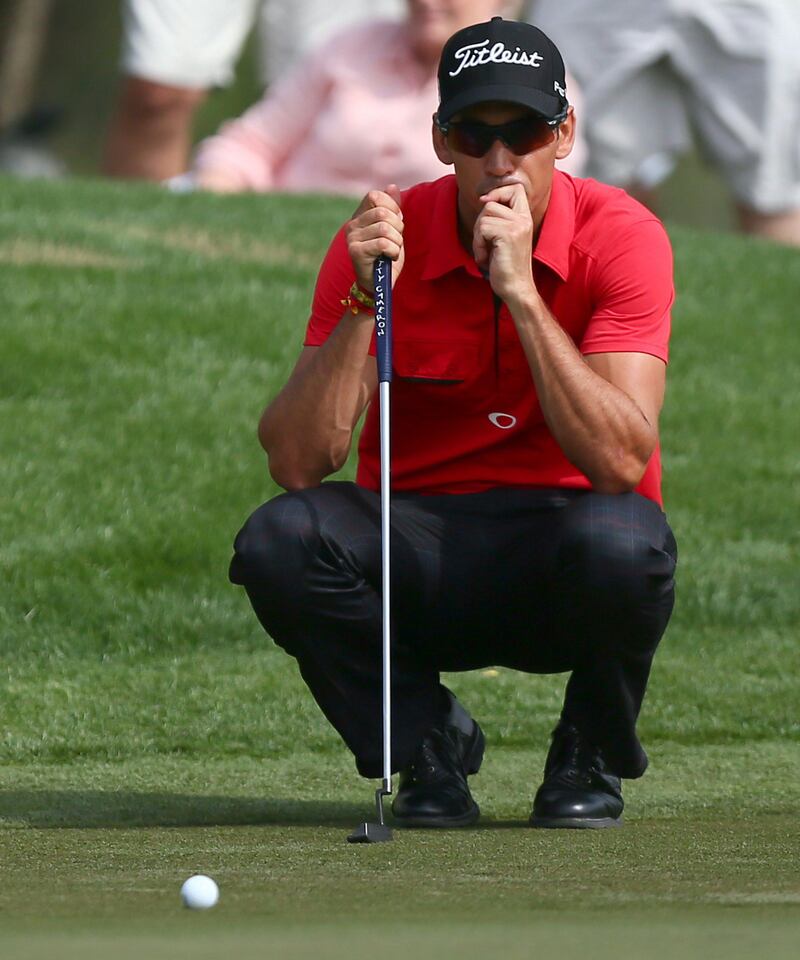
pixel 356 298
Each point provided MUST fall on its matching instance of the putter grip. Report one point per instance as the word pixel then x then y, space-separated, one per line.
pixel 383 317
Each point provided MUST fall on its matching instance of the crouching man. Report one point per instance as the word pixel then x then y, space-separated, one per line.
pixel 531 323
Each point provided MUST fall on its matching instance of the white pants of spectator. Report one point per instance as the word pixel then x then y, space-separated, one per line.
pixel 653 73
pixel 196 43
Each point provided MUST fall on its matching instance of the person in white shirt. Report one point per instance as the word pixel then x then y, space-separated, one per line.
pixel 175 51
pixel 655 76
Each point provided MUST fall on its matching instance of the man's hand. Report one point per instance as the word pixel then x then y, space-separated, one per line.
pixel 376 230
pixel 503 240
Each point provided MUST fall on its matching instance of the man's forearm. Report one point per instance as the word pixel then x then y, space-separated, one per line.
pixel 597 425
pixel 307 430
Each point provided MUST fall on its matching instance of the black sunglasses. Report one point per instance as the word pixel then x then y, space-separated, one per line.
pixel 521 136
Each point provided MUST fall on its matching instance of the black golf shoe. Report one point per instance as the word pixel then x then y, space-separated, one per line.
pixel 433 789
pixel 578 788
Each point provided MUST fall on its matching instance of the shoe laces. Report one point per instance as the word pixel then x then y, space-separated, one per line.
pixel 435 758
pixel 573 760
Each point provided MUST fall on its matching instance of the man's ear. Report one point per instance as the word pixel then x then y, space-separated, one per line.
pixel 443 152
pixel 566 136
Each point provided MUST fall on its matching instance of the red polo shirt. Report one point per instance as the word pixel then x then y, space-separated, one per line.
pixel 465 416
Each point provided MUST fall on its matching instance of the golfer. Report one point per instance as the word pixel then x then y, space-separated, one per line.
pixel 531 323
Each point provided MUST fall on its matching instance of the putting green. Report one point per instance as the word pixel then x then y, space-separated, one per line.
pixel 94 855
pixel 707 933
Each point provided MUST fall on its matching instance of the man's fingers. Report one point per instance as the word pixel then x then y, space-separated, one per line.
pixel 489 231
pixel 481 251
pixel 380 215
pixel 511 195
pixel 380 247
pixel 495 225
pixel 380 198
pixel 394 192
pixel 483 240
pixel 502 211
pixel 376 230
pixel 380 229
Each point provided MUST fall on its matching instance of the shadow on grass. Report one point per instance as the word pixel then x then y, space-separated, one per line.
pixel 96 808
pixel 86 809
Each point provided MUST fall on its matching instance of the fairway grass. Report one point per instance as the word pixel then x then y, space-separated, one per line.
pixel 149 730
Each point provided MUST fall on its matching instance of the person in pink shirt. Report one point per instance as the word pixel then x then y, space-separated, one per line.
pixel 355 113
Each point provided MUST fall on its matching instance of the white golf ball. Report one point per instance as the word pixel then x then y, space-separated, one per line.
pixel 199 892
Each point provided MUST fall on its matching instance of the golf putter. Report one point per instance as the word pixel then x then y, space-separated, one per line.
pixel 378 832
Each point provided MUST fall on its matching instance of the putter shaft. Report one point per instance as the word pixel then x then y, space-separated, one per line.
pixel 379 832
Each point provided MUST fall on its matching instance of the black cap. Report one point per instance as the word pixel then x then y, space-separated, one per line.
pixel 502 60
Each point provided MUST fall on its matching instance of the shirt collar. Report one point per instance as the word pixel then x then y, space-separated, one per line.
pixel 445 252
pixel 558 227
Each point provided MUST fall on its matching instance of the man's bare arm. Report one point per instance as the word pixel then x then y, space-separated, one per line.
pixel 602 410
pixel 307 430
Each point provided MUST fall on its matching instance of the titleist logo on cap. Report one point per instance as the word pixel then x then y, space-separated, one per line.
pixel 476 54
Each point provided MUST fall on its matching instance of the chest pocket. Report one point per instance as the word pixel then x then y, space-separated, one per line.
pixel 439 378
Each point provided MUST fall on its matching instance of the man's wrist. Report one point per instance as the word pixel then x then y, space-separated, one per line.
pixel 524 301
pixel 365 286
pixel 358 300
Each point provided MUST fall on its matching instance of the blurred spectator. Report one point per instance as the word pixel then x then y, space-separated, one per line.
pixel 354 114
pixel 24 125
pixel 654 73
pixel 174 51
pixel 23 146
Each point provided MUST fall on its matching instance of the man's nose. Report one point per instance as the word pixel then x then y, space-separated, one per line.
pixel 499 160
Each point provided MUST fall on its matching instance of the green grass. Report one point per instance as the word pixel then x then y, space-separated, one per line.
pixel 118 839
pixel 149 729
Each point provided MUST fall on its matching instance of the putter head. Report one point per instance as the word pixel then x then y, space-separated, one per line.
pixel 370 833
